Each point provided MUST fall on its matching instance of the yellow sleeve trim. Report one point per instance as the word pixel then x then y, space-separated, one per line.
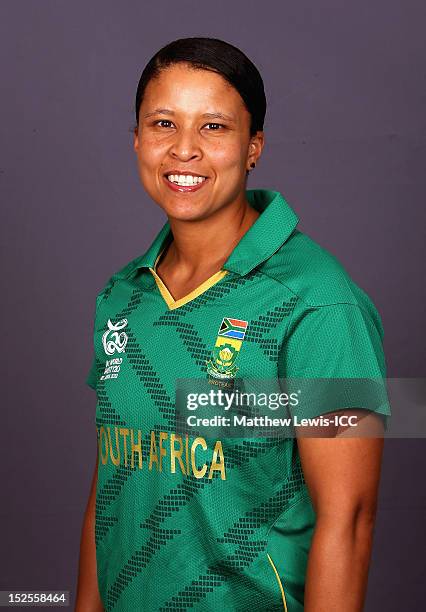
pixel 279 582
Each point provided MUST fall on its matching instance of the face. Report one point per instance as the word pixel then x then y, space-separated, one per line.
pixel 193 142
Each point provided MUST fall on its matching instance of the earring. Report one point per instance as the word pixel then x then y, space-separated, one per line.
pixel 252 165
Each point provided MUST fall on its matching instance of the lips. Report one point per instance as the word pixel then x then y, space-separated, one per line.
pixel 184 188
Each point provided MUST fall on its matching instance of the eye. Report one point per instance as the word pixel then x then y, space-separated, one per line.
pixel 163 121
pixel 215 126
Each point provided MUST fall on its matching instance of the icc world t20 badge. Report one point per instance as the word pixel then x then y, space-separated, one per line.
pixel 221 366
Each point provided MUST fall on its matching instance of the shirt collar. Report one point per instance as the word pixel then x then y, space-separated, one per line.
pixel 269 232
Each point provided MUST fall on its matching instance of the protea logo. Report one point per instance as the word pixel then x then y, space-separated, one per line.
pixel 114 339
pixel 222 361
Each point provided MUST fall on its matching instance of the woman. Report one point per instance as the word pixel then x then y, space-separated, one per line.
pixel 229 289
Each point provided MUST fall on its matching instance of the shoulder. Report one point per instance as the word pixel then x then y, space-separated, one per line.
pixel 313 274
pixel 123 273
pixel 147 258
pixel 334 329
pixel 320 282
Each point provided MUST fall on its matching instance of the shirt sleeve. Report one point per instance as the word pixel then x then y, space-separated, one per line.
pixel 335 342
pixel 92 376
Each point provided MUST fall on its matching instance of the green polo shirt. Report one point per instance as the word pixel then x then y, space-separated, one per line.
pixel 186 522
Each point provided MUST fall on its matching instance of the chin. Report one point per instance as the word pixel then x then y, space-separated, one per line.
pixel 186 212
pixel 184 208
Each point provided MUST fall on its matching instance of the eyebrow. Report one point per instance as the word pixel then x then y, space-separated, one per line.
pixel 166 111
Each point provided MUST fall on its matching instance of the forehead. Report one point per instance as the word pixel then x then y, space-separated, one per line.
pixel 185 88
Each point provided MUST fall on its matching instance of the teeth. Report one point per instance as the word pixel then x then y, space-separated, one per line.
pixel 185 180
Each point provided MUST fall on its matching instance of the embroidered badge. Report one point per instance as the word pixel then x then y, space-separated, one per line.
pixel 114 340
pixel 230 336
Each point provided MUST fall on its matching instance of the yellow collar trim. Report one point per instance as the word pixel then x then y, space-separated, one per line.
pixel 169 299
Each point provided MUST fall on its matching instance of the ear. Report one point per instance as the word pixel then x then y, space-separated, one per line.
pixel 255 147
pixel 135 139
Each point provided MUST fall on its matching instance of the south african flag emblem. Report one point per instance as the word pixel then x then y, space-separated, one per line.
pixel 230 336
pixel 233 328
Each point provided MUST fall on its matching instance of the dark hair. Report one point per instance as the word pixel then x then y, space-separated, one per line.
pixel 218 56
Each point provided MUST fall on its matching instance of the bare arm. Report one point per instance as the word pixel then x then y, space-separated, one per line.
pixel 342 475
pixel 88 598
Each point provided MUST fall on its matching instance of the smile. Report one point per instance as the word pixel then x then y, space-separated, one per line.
pixel 185 182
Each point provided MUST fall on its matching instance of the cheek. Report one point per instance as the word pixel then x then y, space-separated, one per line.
pixel 150 152
pixel 227 155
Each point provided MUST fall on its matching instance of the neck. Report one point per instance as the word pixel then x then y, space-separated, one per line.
pixel 207 243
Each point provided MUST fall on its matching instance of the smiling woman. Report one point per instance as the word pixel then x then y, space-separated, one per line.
pixel 229 291
pixel 182 148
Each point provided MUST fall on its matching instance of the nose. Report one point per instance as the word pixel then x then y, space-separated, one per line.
pixel 186 145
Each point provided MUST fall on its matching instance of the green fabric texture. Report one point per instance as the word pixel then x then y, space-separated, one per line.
pixel 171 535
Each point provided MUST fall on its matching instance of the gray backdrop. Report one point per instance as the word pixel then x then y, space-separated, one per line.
pixel 345 135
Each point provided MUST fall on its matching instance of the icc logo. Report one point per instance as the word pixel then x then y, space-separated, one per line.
pixel 117 340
